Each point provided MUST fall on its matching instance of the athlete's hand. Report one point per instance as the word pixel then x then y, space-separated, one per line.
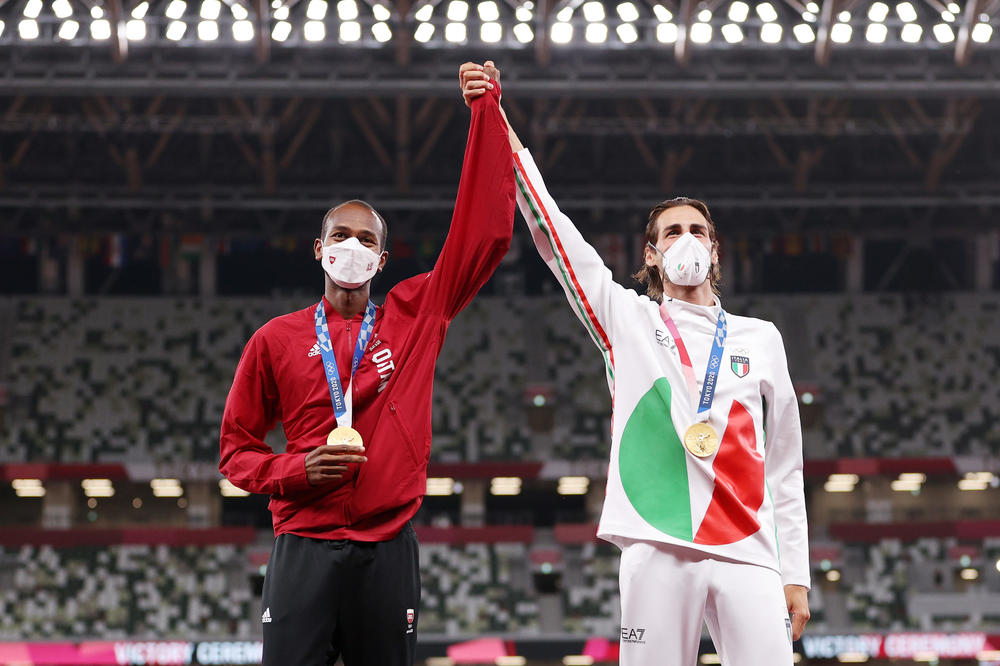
pixel 474 80
pixel 329 463
pixel 797 599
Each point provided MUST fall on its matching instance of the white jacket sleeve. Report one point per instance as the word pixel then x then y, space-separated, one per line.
pixel 592 292
pixel 783 469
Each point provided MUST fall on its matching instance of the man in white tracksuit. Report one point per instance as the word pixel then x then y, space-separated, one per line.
pixel 704 492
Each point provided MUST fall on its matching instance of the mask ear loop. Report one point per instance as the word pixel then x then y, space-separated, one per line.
pixel 654 248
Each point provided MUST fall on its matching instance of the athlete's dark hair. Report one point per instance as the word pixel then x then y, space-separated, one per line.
pixel 651 275
pixel 363 204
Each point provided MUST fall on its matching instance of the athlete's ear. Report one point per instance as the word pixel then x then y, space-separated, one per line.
pixel 651 256
pixel 318 250
pixel 382 259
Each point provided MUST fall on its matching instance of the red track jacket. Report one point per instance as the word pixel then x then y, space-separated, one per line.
pixel 280 375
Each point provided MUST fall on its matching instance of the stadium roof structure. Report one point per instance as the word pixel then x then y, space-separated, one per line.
pixel 676 31
pixel 251 116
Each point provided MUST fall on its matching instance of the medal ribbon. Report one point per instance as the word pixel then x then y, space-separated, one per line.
pixel 341 405
pixel 714 361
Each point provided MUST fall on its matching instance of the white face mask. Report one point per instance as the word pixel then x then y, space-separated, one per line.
pixel 686 262
pixel 349 263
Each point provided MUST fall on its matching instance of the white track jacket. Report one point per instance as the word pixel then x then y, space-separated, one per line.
pixel 746 501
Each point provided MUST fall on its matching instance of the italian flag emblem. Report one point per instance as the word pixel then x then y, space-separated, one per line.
pixel 740 365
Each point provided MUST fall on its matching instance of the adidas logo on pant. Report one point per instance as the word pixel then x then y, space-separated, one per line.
pixel 266 617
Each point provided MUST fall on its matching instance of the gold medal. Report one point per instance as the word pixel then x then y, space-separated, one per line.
pixel 701 440
pixel 344 436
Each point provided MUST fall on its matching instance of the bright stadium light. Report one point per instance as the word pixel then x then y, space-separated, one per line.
pixel 210 10
pixel 841 33
pixel 812 7
pixel 381 13
pixel 809 16
pixel 176 9
pixel 138 12
pixel 739 11
pixel 440 486
pixel 663 14
pixel 876 33
pixel 100 30
pixel 239 12
pixel 732 33
pixel 841 483
pixel 523 14
pixel 316 10
pixel 701 33
pixel 208 31
pixel 911 33
pixel 593 11
pixel 176 30
pixel 523 33
pixel 666 33
pixel 564 15
pixel 627 33
pixel 33 8
pixel 954 8
pixel 628 12
pixel 770 33
pixel 314 31
pixel 944 33
pixel 424 14
pixel 227 489
pixel 135 30
pixel 491 32
pixel 347 10
pixel 28 487
pixel 281 31
pixel 596 33
pixel 804 33
pixel 982 33
pixel 242 31
pixel 28 29
pixel 766 12
pixel 562 32
pixel 878 12
pixel 424 32
pixel 455 32
pixel 947 16
pixel 281 13
pixel 382 32
pixel 96 12
pixel 68 29
pixel 906 12
pixel 2 26
pixel 350 31
pixel 458 11
pixel 844 17
pixel 488 11
pixel 97 488
pixel 62 9
pixel 166 487
pixel 505 485
pixel 573 485
pixel 705 15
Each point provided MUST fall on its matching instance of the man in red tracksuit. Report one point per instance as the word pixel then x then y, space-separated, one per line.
pixel 343 577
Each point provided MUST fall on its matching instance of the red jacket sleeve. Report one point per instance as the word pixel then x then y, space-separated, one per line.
pixel 252 410
pixel 482 223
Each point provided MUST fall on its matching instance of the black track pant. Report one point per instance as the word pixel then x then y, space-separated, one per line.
pixel 327 599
